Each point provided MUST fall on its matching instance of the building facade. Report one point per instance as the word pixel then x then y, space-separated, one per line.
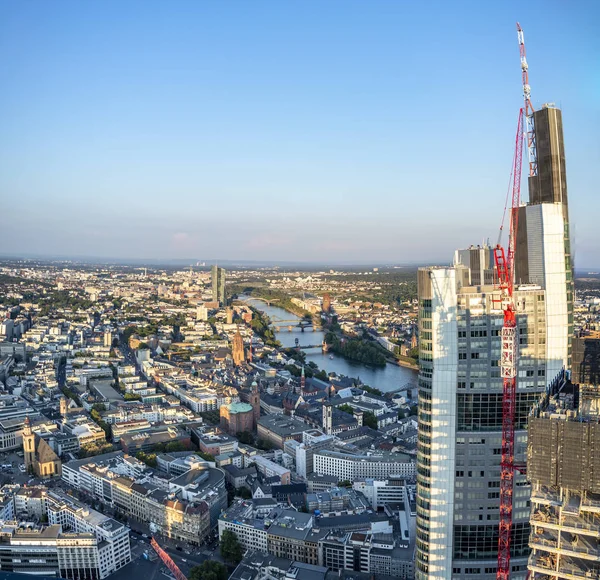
pixel 460 389
pixel 236 418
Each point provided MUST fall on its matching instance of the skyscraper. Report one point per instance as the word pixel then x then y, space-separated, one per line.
pixel 460 389
pixel 218 285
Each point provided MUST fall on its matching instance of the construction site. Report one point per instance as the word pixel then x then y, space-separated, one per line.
pixel 563 465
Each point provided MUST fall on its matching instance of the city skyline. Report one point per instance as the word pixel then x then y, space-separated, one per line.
pixel 316 134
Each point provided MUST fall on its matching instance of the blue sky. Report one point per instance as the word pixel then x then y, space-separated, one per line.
pixel 300 130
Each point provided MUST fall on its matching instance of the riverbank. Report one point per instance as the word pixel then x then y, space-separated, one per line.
pixel 277 298
pixel 405 363
pixel 389 378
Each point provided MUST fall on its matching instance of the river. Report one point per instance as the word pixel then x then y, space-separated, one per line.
pixel 388 378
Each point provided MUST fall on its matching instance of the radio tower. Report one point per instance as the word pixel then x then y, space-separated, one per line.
pixel 509 350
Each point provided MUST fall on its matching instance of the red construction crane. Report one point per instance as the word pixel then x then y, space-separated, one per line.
pixel 508 364
pixel 505 266
pixel 167 561
pixel 528 112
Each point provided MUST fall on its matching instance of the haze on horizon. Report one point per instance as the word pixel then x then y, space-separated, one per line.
pixel 338 132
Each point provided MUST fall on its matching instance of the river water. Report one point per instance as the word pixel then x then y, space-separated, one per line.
pixel 388 378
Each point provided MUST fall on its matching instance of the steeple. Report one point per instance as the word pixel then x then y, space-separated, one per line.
pixel 27 426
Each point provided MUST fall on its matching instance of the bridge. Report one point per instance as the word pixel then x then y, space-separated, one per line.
pixel 279 324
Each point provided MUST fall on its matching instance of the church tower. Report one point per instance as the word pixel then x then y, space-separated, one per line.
pixel 328 418
pixel 28 445
pixel 64 405
pixel 255 403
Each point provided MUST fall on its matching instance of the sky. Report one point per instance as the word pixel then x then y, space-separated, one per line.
pixel 316 131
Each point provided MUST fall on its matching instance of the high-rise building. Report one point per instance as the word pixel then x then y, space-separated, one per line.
pixel 460 389
pixel 218 285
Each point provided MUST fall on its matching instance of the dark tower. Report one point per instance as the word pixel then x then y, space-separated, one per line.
pixel 255 402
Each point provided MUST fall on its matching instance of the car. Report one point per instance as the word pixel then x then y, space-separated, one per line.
pixel 183 560
pixel 144 535
pixel 179 548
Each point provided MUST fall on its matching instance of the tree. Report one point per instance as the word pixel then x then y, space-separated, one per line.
pixel 209 570
pixel 148 458
pixel 245 437
pixel 346 408
pixel 132 397
pixel 369 419
pixel 230 546
pixel 243 492
pixel 205 456
pixel 345 483
pixel 174 446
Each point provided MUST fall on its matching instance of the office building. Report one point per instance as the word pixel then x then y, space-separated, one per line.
pixel 460 389
pixel 114 550
pixel 586 358
pixel 382 492
pixel 218 285
pixel 350 467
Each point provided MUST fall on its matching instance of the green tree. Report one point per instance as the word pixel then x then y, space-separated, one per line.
pixel 205 456
pixel 132 397
pixel 245 437
pixel 346 408
pixel 230 546
pixel 209 570
pixel 243 492
pixel 264 444
pixel 369 419
pixel 148 458
pixel 345 483
pixel 174 446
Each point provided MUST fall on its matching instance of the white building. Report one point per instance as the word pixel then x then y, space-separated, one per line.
pixel 347 467
pixel 383 492
pixel 114 550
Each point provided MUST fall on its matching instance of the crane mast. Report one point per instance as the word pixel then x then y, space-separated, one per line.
pixel 508 363
pixel 528 113
pixel 505 267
